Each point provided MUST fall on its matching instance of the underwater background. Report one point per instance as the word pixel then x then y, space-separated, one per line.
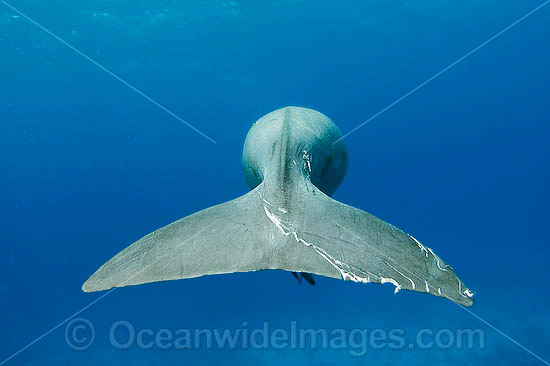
pixel 88 166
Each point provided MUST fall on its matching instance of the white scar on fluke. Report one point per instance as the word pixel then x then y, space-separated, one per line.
pixel 293 160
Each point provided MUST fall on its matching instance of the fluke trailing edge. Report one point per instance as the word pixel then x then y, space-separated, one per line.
pixel 287 221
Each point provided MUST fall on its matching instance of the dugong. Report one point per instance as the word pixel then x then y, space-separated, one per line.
pixel 293 160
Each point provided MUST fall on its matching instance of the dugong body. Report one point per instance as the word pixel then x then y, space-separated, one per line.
pixel 293 160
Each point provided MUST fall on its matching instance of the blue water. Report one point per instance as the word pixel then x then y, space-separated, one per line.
pixel 88 166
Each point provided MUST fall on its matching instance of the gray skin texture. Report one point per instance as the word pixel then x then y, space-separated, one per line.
pixel 287 221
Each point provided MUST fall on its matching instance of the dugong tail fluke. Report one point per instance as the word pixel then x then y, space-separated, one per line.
pixel 287 221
